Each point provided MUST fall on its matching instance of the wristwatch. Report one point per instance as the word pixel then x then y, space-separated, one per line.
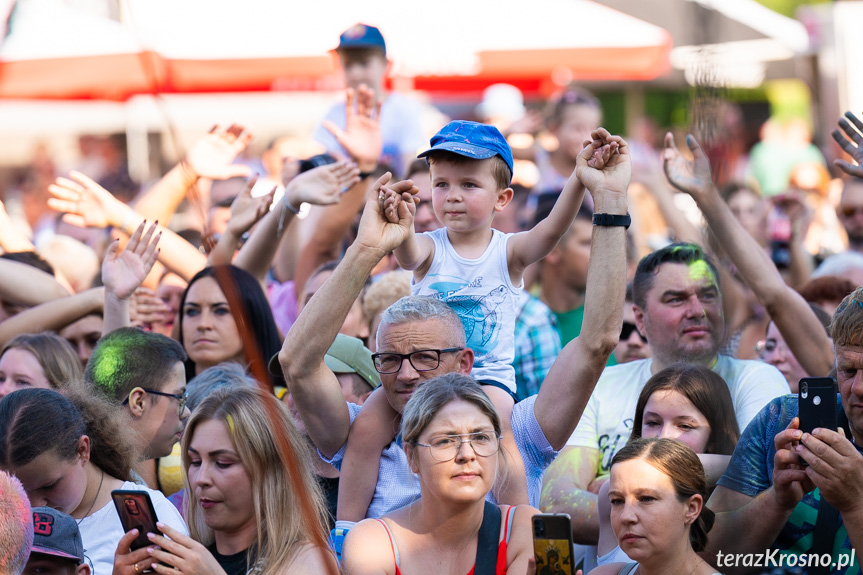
pixel 612 220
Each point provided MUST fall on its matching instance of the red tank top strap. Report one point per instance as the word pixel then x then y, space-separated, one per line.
pixel 395 549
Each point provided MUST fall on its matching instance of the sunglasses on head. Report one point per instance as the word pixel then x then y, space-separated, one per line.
pixel 627 330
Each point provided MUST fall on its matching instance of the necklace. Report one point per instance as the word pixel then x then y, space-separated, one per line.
pixel 87 514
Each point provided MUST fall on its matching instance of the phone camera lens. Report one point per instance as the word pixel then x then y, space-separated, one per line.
pixel 804 389
pixel 539 528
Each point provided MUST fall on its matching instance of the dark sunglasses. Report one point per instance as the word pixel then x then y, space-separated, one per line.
pixel 849 211
pixel 627 330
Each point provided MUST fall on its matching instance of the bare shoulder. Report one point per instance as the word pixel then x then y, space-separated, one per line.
pixel 312 559
pixel 367 550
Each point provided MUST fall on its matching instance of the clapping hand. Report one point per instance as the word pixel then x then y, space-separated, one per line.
pixel 123 272
pixel 212 156
pixel 853 128
pixel 361 137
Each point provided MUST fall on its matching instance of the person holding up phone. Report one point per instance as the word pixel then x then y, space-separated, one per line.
pixel 766 492
pixel 70 451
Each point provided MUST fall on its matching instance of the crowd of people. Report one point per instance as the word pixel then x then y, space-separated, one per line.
pixel 377 361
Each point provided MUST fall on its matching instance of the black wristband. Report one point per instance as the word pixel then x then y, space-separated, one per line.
pixel 612 220
pixel 364 175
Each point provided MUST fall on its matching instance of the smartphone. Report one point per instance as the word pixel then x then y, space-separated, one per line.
pixel 816 404
pixel 136 511
pixel 552 543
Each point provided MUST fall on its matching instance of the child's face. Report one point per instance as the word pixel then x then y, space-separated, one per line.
pixel 364 66
pixel 41 564
pixel 576 123
pixel 465 195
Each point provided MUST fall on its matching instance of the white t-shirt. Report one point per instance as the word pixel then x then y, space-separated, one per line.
pixel 101 531
pixel 607 419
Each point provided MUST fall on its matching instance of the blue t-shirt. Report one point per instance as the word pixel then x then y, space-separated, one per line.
pixel 751 471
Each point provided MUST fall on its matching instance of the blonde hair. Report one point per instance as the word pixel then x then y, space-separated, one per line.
pixel 56 356
pixel 846 329
pixel 279 489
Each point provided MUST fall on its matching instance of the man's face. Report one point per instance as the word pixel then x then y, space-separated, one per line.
pixel 425 219
pixel 162 422
pixel 575 253
pixel 849 376
pixel 84 335
pixel 683 317
pixel 406 338
pixel 850 212
pixel 364 66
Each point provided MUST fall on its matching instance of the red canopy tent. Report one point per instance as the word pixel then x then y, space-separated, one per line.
pixel 55 51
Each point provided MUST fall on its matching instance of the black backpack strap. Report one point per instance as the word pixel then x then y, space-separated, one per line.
pixel 825 533
pixel 488 541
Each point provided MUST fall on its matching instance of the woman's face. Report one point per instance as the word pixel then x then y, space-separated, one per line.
pixel 52 481
pixel 777 354
pixel 210 334
pixel 749 210
pixel 221 486
pixel 670 414
pixel 19 369
pixel 646 515
pixel 467 477
pixel 576 123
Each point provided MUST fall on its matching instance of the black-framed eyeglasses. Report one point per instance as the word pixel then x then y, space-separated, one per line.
pixel 446 447
pixel 627 329
pixel 180 397
pixel 421 360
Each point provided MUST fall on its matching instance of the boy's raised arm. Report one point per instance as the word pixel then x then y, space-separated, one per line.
pixel 416 252
pixel 533 245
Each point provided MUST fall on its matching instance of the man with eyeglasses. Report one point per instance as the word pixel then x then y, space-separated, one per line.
pixel 420 338
pixel 144 373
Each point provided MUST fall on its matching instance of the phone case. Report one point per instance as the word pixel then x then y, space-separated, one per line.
pixel 552 544
pixel 136 511
pixel 816 403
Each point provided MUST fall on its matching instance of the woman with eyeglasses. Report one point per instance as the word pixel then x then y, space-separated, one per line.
pixel 70 451
pixel 450 432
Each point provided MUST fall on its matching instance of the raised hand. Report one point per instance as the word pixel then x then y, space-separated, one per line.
pixel 853 128
pixel 123 272
pixel 361 137
pixel 375 230
pixel 85 203
pixel 212 155
pixel 323 185
pixel 246 211
pixel 604 163
pixel 689 176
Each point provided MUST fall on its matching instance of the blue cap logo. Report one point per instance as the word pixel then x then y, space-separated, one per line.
pixel 472 140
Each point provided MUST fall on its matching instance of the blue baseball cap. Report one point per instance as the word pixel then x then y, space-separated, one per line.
pixel 362 36
pixel 56 534
pixel 472 140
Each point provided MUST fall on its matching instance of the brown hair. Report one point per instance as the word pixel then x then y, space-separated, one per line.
pixel 55 355
pixel 499 169
pixel 682 466
pixel 706 391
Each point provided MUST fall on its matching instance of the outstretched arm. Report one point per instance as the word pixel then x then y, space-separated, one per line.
pixel 53 315
pixel 574 374
pixel 246 211
pixel 793 317
pixel 853 144
pixel 323 185
pixel 316 391
pixel 211 156
pixel 416 252
pixel 25 285
pixel 87 204
pixel 10 239
pixel 123 272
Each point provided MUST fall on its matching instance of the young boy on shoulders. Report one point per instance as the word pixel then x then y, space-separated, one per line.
pixel 478 271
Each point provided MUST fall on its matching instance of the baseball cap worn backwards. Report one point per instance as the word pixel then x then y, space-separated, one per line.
pixel 472 140
pixel 362 36
pixel 56 534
